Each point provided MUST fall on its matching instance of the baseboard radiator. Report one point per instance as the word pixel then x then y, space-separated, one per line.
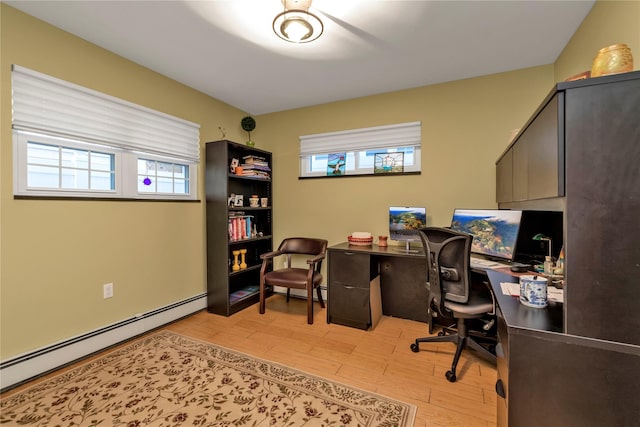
pixel 20 369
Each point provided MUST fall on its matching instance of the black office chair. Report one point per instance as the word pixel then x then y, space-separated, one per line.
pixel 451 294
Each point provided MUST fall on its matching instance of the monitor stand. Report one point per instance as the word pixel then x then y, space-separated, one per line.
pixel 407 249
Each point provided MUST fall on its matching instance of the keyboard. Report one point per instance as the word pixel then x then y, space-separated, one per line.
pixel 480 262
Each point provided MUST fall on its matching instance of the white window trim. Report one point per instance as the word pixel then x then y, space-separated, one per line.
pixel 126 172
pixel 365 139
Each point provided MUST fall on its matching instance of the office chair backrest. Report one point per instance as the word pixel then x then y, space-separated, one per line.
pixel 303 246
pixel 448 255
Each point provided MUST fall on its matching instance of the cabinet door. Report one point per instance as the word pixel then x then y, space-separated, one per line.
pixel 349 267
pixel 349 305
pixel 544 143
pixel 504 178
pixel 538 156
pixel 404 293
pixel 520 169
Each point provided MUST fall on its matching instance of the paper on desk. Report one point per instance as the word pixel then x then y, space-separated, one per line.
pixel 555 295
pixel 512 289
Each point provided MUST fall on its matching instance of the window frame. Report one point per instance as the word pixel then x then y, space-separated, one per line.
pixel 306 172
pixel 353 142
pixel 52 111
pixel 126 171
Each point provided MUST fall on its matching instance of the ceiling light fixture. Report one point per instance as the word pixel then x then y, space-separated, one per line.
pixel 296 24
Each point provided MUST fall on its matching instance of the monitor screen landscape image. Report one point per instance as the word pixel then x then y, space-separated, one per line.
pixel 405 221
pixel 495 232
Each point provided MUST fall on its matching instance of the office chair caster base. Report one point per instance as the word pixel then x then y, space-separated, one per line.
pixel 415 348
pixel 450 376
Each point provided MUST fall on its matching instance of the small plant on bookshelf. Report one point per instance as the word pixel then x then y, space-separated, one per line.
pixel 248 124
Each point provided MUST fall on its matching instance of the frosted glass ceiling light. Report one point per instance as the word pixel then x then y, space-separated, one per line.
pixel 296 24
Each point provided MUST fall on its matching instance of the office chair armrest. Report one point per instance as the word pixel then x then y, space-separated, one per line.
pixel 269 255
pixel 493 298
pixel 315 259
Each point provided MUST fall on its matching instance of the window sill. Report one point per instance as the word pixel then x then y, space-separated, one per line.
pixel 103 199
pixel 360 175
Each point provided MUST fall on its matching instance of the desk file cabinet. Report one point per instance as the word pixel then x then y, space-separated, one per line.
pixel 350 276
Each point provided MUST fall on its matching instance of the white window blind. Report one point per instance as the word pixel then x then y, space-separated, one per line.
pixel 372 138
pixel 44 104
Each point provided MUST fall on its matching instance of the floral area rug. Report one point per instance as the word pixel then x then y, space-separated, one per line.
pixel 166 379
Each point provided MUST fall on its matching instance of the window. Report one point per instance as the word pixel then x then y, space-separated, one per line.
pixel 162 177
pixel 62 167
pixel 361 147
pixel 70 141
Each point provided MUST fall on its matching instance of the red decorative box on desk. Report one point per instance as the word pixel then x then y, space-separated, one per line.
pixel 360 239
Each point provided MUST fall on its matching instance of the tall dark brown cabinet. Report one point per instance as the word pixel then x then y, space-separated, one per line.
pixel 579 153
pixel 235 226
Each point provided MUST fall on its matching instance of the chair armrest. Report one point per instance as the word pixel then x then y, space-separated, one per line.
pixel 269 255
pixel 315 259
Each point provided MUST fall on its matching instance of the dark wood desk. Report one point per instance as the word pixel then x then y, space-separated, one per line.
pixel 355 273
pixel 365 280
pixel 542 371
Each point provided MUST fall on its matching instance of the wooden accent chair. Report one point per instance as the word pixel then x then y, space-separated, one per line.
pixel 293 277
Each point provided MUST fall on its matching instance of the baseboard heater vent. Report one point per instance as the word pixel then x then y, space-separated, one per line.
pixel 25 367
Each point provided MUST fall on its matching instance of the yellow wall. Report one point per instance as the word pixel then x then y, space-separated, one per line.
pixel 56 255
pixel 465 127
pixel 608 23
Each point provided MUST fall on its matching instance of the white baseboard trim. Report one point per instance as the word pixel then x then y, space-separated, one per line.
pixel 33 364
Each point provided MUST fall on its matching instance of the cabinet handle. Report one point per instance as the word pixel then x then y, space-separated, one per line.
pixel 500 389
pixel 349 253
pixel 349 287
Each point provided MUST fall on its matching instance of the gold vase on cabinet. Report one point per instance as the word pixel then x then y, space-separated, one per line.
pixel 612 59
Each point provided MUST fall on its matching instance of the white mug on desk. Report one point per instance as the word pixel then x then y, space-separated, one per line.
pixel 533 291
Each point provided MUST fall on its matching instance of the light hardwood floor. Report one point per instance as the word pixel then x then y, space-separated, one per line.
pixel 378 360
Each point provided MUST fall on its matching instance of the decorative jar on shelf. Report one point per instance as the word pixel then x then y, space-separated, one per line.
pixel 612 59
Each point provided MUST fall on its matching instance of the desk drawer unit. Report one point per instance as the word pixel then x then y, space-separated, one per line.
pixel 350 274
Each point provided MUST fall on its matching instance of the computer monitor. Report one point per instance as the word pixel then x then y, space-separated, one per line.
pixel 494 231
pixel 548 223
pixel 404 222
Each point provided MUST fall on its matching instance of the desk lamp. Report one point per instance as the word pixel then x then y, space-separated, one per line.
pixel 548 260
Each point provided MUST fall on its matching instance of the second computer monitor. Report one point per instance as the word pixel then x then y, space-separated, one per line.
pixel 494 231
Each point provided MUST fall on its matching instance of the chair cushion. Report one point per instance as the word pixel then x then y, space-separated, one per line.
pixel 291 278
pixel 478 305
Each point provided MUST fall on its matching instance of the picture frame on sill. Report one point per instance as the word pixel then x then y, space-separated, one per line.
pixel 388 163
pixel 336 164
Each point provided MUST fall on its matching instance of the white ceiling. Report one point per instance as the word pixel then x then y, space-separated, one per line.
pixel 227 49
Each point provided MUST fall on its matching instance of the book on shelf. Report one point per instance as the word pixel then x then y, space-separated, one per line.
pixel 250 159
pixel 241 227
pixel 255 167
pixel 256 174
pixel 243 293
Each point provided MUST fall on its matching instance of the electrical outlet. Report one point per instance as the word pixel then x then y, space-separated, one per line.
pixel 107 290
